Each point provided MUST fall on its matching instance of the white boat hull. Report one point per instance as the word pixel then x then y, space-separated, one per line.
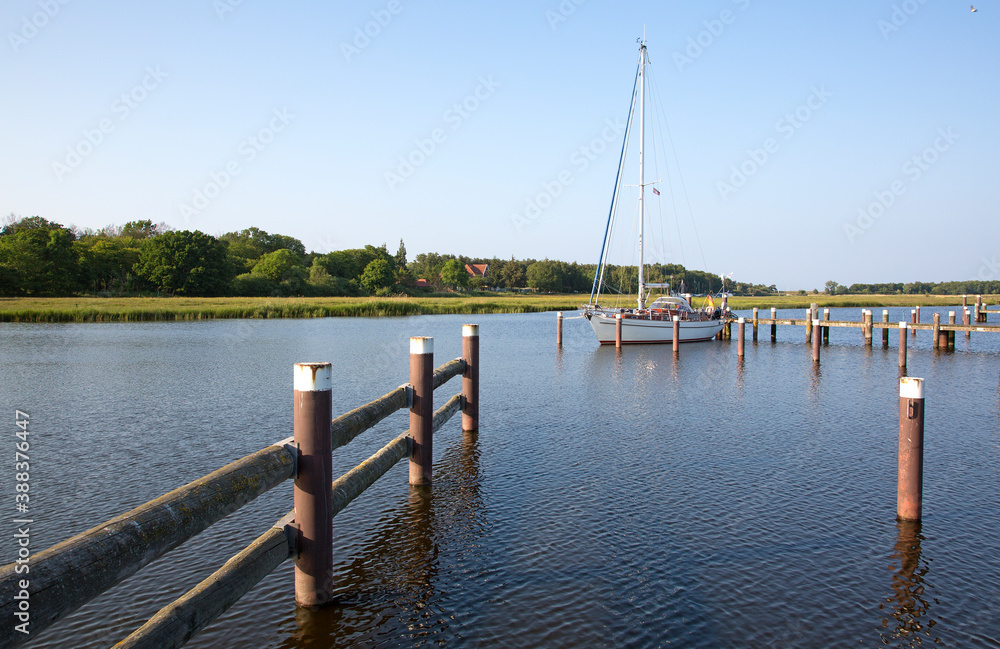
pixel 636 330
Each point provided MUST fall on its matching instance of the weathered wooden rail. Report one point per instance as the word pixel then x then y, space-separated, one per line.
pixel 66 576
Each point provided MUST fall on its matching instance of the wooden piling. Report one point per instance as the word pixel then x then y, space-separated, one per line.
pixel 677 334
pixel 742 329
pixel 313 495
pixel 774 326
pixel 913 319
pixel 981 315
pixel 902 344
pixel 951 334
pixel 729 324
pixel 826 330
pixel 755 324
pixel 816 341
pixel 967 320
pixel 936 333
pixel 975 312
pixel 470 377
pixel 618 331
pixel 866 318
pixel 809 328
pixel 559 325
pixel 909 482
pixel 422 410
pixel 885 328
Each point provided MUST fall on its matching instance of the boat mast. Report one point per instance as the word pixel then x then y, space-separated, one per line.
pixel 642 134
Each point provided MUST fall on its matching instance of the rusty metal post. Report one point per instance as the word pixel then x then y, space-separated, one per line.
pixel 559 322
pixel 816 342
pixel 774 326
pixel 755 324
pixel 951 334
pixel 902 344
pixel 809 329
pixel 677 334
pixel 618 331
pixel 936 334
pixel 422 410
pixel 885 328
pixel 470 378
pixel 909 485
pixel 826 330
pixel 742 332
pixel 313 493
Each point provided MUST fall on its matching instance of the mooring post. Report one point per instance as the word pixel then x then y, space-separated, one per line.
pixel 816 341
pixel 885 328
pixel 951 334
pixel 422 409
pixel 729 324
pixel 981 315
pixel 902 344
pixel 470 378
pixel 975 312
pixel 909 486
pixel 618 331
pixel 559 321
pixel 967 320
pixel 742 331
pixel 313 493
pixel 965 301
pixel 677 334
pixel 866 326
pixel 755 324
pixel 826 329
pixel 809 328
pixel 936 334
pixel 774 324
pixel 913 319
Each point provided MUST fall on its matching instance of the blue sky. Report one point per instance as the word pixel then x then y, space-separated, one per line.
pixel 295 118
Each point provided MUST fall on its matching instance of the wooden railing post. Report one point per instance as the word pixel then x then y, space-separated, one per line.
pixel 422 410
pixel 909 481
pixel 313 384
pixel 470 377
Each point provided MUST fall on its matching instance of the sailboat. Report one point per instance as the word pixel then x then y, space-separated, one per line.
pixel 652 323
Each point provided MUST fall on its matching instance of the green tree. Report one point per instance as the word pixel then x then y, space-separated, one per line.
pixel 400 257
pixel 38 257
pixel 186 263
pixel 283 269
pixel 377 275
pixel 453 274
pixel 513 274
pixel 545 276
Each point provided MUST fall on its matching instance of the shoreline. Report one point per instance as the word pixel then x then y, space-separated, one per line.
pixel 161 309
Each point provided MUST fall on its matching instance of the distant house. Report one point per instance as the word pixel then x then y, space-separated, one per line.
pixel 423 283
pixel 477 270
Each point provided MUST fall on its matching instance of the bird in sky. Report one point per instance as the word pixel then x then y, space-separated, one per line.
pixel 973 8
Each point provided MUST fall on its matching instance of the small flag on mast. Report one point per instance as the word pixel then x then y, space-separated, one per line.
pixel 656 191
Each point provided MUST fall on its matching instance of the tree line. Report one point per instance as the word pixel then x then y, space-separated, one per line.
pixel 43 258
pixel 969 287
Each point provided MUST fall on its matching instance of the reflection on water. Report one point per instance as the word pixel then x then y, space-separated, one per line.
pixel 906 621
pixel 387 589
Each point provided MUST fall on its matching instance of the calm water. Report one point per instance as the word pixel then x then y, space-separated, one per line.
pixel 610 500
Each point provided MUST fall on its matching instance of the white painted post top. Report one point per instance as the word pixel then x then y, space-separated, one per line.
pixel 911 388
pixel 951 313
pixel 472 330
pixel 902 325
pixel 618 316
pixel 677 318
pixel 815 322
pixel 741 320
pixel 421 345
pixel 313 377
